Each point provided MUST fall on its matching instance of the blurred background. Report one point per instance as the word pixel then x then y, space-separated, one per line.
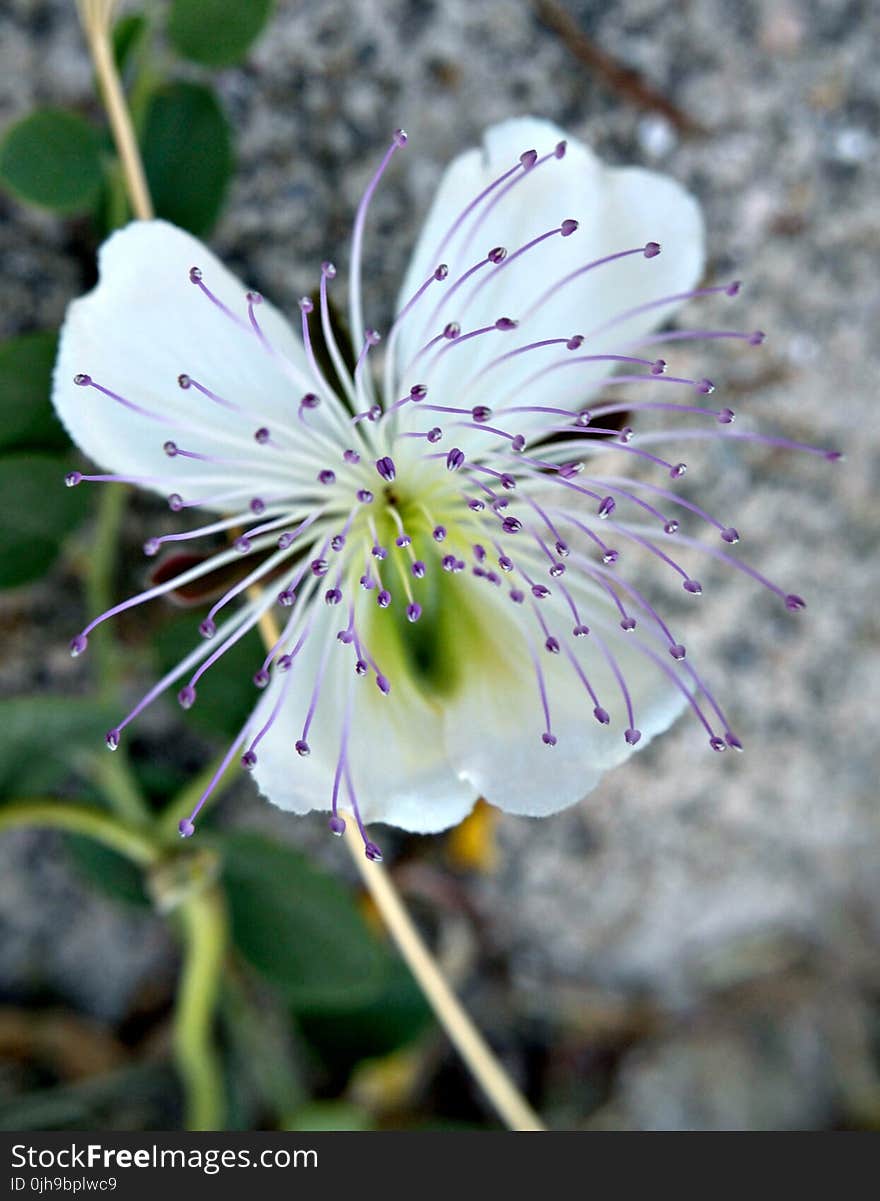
pixel 693 947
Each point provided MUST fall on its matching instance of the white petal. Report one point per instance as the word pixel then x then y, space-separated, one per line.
pixel 398 763
pixel 142 326
pixel 494 727
pixel 617 209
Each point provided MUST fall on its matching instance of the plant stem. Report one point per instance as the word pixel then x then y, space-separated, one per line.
pixel 96 16
pixel 79 819
pixel 203 921
pixel 509 1103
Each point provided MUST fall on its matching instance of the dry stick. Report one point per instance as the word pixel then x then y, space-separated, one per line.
pixel 96 18
pixel 510 1105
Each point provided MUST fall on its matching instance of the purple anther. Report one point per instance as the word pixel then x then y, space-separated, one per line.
pixel 418 392
pixel 187 696
pixel 326 476
pixel 351 456
pixel 302 748
pixel 413 611
pixel 795 603
pixel 336 825
pixel 111 739
pixel 385 468
pixel 694 587
pixel 417 568
pixel 505 323
pixel 652 249
pixel 548 738
pixel 726 417
pixel 383 600
pixel 261 678
pixel 451 330
pixel 497 254
pixel 438 533
pixel 78 645
pixel 185 828
pixel 528 158
pixel 730 534
pixel 319 567
pixel 568 227
pixel 481 414
pixel 73 478
pixel 602 716
pixel 332 596
pixel 632 735
pixel 207 628
pixel 455 459
pixel 511 525
pixel 364 495
pixel 677 651
pixel 262 435
pixel 248 761
pixel 607 505
pixel 705 387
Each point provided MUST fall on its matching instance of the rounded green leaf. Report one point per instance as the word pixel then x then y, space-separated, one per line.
pixel 52 158
pixel 41 738
pixel 299 927
pixel 39 514
pixel 216 33
pixel 187 151
pixel 27 419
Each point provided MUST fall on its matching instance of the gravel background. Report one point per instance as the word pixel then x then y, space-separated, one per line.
pixel 702 933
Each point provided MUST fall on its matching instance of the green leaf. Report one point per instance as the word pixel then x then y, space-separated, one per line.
pixel 226 692
pixel 40 513
pixel 27 419
pixel 102 868
pixel 187 151
pixel 216 33
pixel 381 1024
pixel 52 158
pixel 329 1115
pixel 129 34
pixel 298 926
pixel 42 737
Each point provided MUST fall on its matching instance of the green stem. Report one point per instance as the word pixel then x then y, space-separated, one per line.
pixel 203 920
pixel 78 819
pixel 99 585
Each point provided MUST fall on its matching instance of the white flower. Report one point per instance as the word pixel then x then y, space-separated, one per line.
pixel 444 546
